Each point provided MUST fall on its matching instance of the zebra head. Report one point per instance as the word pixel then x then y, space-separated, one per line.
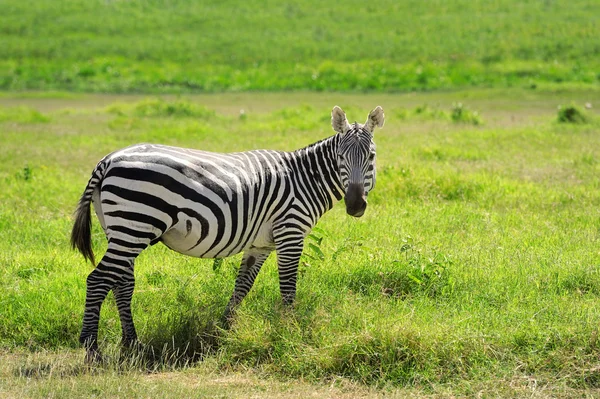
pixel 356 157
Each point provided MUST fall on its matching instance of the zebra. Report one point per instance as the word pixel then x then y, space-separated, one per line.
pixel 214 205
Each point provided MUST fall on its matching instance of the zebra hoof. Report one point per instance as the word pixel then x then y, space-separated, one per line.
pixel 133 352
pixel 132 347
pixel 228 317
pixel 227 320
pixel 93 357
pixel 131 343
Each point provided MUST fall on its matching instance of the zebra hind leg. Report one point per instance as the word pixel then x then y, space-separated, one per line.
pixel 123 294
pixel 249 268
pixel 115 271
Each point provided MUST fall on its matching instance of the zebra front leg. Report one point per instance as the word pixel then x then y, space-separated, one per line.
pixel 289 247
pixel 249 268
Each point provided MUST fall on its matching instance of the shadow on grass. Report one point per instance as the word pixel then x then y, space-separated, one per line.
pixel 157 355
pixel 189 343
pixel 172 342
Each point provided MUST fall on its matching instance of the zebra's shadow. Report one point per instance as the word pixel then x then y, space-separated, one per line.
pixel 155 356
pixel 188 342
pixel 177 339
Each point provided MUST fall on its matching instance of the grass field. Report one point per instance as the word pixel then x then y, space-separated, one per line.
pixel 475 270
pixel 180 46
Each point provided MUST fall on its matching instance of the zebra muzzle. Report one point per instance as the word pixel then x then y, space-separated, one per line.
pixel 356 201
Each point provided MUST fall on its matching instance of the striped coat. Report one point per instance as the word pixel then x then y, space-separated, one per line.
pixel 214 205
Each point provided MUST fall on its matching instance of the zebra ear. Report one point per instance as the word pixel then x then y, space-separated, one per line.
pixel 338 120
pixel 376 118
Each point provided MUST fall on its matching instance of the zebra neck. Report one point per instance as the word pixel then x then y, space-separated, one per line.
pixel 319 169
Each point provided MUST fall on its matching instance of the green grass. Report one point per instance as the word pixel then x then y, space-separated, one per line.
pixel 182 46
pixel 475 268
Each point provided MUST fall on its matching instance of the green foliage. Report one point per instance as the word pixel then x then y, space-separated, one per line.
pixel 313 251
pixel 571 114
pixel 181 46
pixel 430 274
pixel 414 274
pixel 461 114
pixel 26 173
pixel 217 263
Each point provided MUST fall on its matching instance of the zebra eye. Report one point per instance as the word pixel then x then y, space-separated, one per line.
pixel 371 156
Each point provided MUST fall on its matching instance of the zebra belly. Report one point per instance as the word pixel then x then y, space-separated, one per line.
pixel 185 237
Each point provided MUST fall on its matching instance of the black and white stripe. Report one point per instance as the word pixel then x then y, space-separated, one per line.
pixel 214 205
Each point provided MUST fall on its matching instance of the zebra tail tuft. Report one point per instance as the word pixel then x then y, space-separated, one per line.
pixel 81 235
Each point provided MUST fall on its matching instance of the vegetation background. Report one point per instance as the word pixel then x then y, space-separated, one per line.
pixel 186 46
pixel 475 271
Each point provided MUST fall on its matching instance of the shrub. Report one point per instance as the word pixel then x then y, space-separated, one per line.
pixel 571 114
pixel 461 114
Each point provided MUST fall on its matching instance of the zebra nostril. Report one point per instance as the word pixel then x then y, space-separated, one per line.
pixel 355 201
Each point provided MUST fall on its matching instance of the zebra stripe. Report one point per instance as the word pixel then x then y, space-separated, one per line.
pixel 214 205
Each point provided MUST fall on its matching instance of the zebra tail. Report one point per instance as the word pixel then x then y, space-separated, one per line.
pixel 81 235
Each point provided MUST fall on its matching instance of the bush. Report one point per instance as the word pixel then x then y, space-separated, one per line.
pixel 461 114
pixel 571 114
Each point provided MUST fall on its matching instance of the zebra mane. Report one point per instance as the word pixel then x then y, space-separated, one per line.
pixel 318 144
